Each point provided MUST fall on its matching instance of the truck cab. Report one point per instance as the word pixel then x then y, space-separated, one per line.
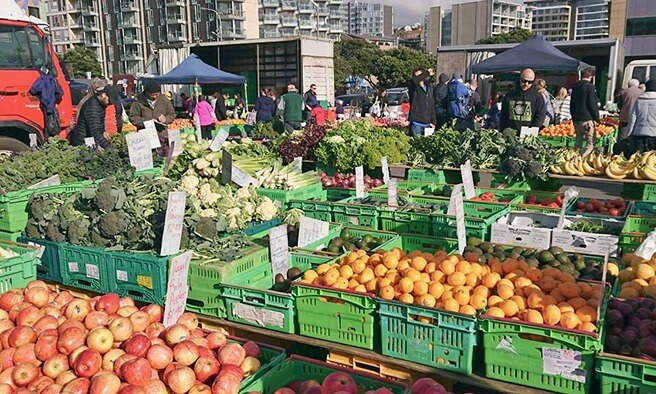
pixel 24 52
pixel 642 70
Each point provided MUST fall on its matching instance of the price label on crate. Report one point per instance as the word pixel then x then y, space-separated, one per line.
pixel 570 194
pixel 173 223
pixel 311 230
pixel 174 136
pixel 428 131
pixel 92 271
pixel 461 230
pixel 176 288
pixel 141 156
pixel 122 275
pixel 199 131
pixel 151 132
pixel 359 182
pixel 41 248
pixel 220 139
pixel 467 180
pixel 54 180
pixel 457 190
pixel 90 142
pixel 279 248
pixel 564 363
pixel 392 200
pixel 526 131
pixel 385 167
pixel 33 140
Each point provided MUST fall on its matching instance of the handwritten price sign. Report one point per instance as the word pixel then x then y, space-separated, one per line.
pixel 176 288
pixel 173 223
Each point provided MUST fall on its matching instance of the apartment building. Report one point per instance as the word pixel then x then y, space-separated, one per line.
pixel 310 18
pixel 437 28
pixel 640 33
pixel 368 19
pixel 551 18
pixel 591 19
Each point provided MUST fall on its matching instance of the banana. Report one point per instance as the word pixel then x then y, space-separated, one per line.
pixel 613 176
pixel 556 169
pixel 645 157
pixel 636 173
pixel 576 167
pixel 587 169
pixel 648 172
pixel 569 169
pixel 651 160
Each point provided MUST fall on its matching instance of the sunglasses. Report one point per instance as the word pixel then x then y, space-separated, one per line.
pixel 527 81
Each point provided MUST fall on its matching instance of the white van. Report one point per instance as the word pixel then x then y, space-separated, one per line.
pixel 642 70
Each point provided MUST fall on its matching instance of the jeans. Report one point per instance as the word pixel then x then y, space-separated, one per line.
pixel 206 131
pixel 585 130
pixel 291 126
pixel 416 130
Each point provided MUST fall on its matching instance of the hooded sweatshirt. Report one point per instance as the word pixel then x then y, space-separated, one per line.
pixel 643 117
pixel 439 94
pixel 422 104
pixel 583 105
pixel 522 108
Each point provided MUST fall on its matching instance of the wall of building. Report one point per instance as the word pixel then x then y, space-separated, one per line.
pixel 471 22
pixel 640 40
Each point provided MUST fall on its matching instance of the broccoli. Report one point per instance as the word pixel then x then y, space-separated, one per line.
pixel 78 231
pixel 534 169
pixel 446 191
pixel 42 206
pixel 112 223
pixel 513 167
pixel 53 232
pixel 33 230
pixel 108 196
pixel 205 228
pixel 96 239
pixel 521 153
pixel 509 134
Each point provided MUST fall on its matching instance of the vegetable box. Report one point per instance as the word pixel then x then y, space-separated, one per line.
pixel 635 231
pixel 620 374
pixel 19 270
pixel 48 265
pixel 586 242
pixel 527 229
pixel 84 267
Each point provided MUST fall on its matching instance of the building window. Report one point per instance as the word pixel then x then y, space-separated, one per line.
pixel 194 31
pixel 641 27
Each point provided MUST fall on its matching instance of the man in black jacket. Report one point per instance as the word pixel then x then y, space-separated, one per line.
pixel 524 106
pixel 91 119
pixel 422 103
pixel 585 111
pixel 219 106
pixel 439 95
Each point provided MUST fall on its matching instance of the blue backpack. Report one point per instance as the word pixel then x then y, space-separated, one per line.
pixel 458 99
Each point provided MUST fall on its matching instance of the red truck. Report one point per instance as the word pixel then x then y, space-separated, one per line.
pixel 24 50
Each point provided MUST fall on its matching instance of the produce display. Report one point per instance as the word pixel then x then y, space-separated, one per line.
pixel 638 166
pixel 301 144
pixel 347 181
pixel 446 190
pixel 615 207
pixel 181 123
pixel 630 323
pixel 566 129
pixel 231 122
pixel 637 279
pixel 349 242
pixel 267 130
pixel 586 226
pixel 555 203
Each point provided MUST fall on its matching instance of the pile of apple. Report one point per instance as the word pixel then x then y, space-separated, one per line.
pixel 343 383
pixel 556 203
pixel 55 343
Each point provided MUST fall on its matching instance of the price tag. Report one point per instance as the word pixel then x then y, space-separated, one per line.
pixel 460 223
pixel 151 131
pixel 226 168
pixel 298 164
pixel 428 131
pixel 359 182
pixel 92 271
pixel 392 201
pixel 242 178
pixel 122 275
pixel 33 140
pixel 174 136
pixel 90 142
pixel 220 139
pixel 173 223
pixel 467 180
pixel 279 247
pixel 457 190
pixel 177 288
pixel 199 131
pixel 141 156
pixel 570 194
pixel 385 166
pixel 526 131
pixel 310 230
pixel 52 181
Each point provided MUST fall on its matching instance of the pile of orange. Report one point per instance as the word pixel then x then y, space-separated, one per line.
pixel 566 129
pixel 509 289
pixel 180 123
pixel 638 279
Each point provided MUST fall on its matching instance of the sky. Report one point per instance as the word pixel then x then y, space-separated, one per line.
pixel 408 12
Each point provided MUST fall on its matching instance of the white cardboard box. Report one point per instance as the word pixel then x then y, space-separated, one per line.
pixel 526 229
pixel 587 243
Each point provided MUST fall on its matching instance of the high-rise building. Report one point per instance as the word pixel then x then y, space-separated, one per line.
pixel 592 19
pixel 368 18
pixel 437 28
pixel 640 33
pixel 311 18
pixel 551 18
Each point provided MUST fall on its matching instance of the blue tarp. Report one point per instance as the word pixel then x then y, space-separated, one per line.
pixel 536 53
pixel 193 70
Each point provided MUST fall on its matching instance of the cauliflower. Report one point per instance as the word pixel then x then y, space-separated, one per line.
pixel 360 140
pixel 201 163
pixel 267 209
pixel 243 192
pixel 233 212
pixel 189 183
pixel 207 195
pixel 248 207
pixel 207 213
pixel 335 139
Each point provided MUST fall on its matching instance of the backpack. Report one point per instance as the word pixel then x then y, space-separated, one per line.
pixel 458 99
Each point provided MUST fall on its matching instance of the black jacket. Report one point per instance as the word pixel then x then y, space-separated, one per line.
pixel 522 108
pixel 90 123
pixel 422 103
pixel 583 105
pixel 220 108
pixel 265 107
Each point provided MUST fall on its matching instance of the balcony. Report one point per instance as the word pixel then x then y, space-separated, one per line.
pixel 132 57
pixel 176 19
pixel 132 40
pixel 75 23
pixel 334 2
pixel 270 34
pixel 335 29
pixel 92 43
pixel 89 11
pixel 288 22
pixel 129 7
pixel 306 24
pixel 237 33
pixel 270 19
pixel 91 27
pixel 324 27
pixel 129 23
pixel 270 3
pixel 231 14
pixel 335 14
pixel 76 40
pixel 306 8
pixel 324 11
pixel 178 3
pixel 289 5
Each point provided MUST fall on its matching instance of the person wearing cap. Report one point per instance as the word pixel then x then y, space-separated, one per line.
pixel 291 107
pixel 151 105
pixel 91 117
pixel 642 123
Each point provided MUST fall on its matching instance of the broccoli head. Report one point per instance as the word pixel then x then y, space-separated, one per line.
pixel 513 167
pixel 53 231
pixel 78 231
pixel 113 223
pixel 109 196
pixel 95 239
pixel 509 134
pixel 534 169
pixel 205 228
pixel 33 230
pixel 521 153
pixel 43 206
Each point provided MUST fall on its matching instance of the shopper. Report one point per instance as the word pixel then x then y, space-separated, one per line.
pixel 152 105
pixel 494 113
pixel 240 106
pixel 439 95
pixel 541 86
pixel 585 111
pixel 561 106
pixel 91 117
pixel 265 107
pixel 422 103
pixel 459 104
pixel 628 97
pixel 318 115
pixel 309 100
pixel 219 106
pixel 291 107
pixel 339 109
pixel 642 123
pixel 475 101
pixel 523 106
pixel 206 117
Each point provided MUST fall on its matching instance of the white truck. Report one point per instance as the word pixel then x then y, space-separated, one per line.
pixel 642 70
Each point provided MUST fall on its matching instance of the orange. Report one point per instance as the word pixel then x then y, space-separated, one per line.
pixel 530 289
pixel 536 301
pixel 569 320
pixel 358 266
pixel 384 282
pixel 565 307
pixel 577 302
pixel 395 277
pixel 430 268
pixel 566 277
pixel 390 261
pixel 366 275
pixel 587 326
pixel 520 301
pixel 323 268
pixel 593 302
pixel 587 314
pixel 407 298
pixel 510 265
pixel 436 289
pixel 570 290
pixel 463 266
pixel 462 296
pixel 406 285
pixel 551 314
pixel 345 271
pixel 448 267
pixel 533 316
pixel 534 274
pixel 472 279
pixel 352 257
pixel 412 274
pixel 505 291
pixel 478 301
pixel 548 300
pixel 586 290
pixel 472 257
pixel 341 283
pixel 438 276
pixel 331 277
pixel 490 280
pixel 425 277
pixel 509 308
pixel 457 279
pixel 380 270
pixel 495 311
pixel 548 283
pixel 555 293
pixel 451 305
pixel 505 281
pixel 519 292
pixel 494 300
pixel 418 263
pixel 496 267
pixel 476 268
pixel 420 288
pixel 360 288
pixel 403 265
pixel 467 310
pixel 523 266
pixel 482 290
pixel 426 300
pixel 387 292
pixel 352 283
pixel 371 286
pixel 522 282
pixel 310 275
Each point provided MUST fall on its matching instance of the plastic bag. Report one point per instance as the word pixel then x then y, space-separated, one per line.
pixel 647 247
pixel 251 117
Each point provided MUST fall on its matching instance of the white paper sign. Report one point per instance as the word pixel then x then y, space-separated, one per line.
pixel 359 182
pixel 33 140
pixel 311 230
pixel 174 136
pixel 457 190
pixel 279 247
pixel 428 131
pixel 90 142
pixel 151 131
pixel 298 164
pixel 199 132
pixel 565 363
pixel 461 231
pixel 392 200
pixel 173 223
pixel 604 275
pixel 385 166
pixel 242 178
pixel 52 181
pixel 226 167
pixel 467 180
pixel 526 131
pixel 141 156
pixel 570 194
pixel 220 139
pixel 176 288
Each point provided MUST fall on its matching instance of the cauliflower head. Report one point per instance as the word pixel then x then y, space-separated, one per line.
pixel 266 210
pixel 189 183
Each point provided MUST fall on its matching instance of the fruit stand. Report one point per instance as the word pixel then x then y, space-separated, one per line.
pixel 371 272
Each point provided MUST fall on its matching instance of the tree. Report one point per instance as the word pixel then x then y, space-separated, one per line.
pixel 514 35
pixel 356 58
pixel 81 60
pixel 396 65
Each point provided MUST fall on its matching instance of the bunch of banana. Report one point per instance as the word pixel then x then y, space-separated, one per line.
pixel 570 163
pixel 638 166
pixel 619 168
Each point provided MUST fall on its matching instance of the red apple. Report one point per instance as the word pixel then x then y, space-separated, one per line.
pixel 206 368
pixel 154 330
pixel 66 324
pixel 77 309
pixel 427 386
pixel 159 356
pixel 181 379
pixel 105 383
pixel 5 325
pixel 77 386
pixel 100 339
pixel 154 311
pixel 250 365
pixel 188 320
pixel 216 340
pixel 120 361
pixel 55 365
pixel 309 384
pixel 127 311
pixel 45 347
pixel 71 339
pixel 51 310
pixel 88 363
pixel 4 338
pixel 9 299
pixel 5 376
pixel 45 322
pixel 200 342
pixel 140 321
pixel 226 383
pixel 232 370
pixel 110 357
pixel 176 334
pixel 158 341
pixel 37 296
pixel 201 389
pixel 37 283
pixel 40 383
pixel 125 301
pixel 26 354
pixel 72 358
pixel 338 381
pixel 252 349
pixel 52 389
pixel 108 303
pixel 131 389
pixel 136 372
pixel 96 319
pixel 121 328
pixel 231 353
pixel 21 335
pixel 137 345
pixel 185 352
pixel 28 316
pixel 24 374
pixel 156 386
pixel 205 351
pixel 7 358
pixel 65 377
pixel 197 333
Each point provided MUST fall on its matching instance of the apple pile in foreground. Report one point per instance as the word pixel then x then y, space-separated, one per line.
pixel 52 342
pixel 343 383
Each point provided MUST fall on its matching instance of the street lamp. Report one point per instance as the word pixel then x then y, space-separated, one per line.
pixel 218 18
pixel 317 7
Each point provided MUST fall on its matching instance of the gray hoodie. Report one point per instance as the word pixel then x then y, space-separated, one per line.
pixel 642 122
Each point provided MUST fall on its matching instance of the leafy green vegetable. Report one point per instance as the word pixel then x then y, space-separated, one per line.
pixel 589 227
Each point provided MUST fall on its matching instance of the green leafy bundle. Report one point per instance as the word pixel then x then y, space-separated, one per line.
pixel 528 158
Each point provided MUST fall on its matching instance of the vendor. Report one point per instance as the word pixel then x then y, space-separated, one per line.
pixel 523 106
pixel 91 117
pixel 152 105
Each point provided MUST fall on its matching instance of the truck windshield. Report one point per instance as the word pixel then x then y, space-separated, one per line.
pixel 21 48
pixel 396 98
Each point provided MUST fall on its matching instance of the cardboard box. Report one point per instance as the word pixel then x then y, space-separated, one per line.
pixel 526 229
pixel 587 243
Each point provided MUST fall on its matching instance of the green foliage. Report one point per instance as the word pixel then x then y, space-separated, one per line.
pixel 81 60
pixel 514 35
pixel 527 158
pixel 395 66
pixel 354 57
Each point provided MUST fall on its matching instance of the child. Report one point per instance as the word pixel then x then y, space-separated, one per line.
pixel 339 109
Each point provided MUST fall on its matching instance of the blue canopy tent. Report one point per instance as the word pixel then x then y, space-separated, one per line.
pixel 536 53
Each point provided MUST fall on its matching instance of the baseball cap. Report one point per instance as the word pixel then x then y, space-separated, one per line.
pixel 152 87
pixel 98 85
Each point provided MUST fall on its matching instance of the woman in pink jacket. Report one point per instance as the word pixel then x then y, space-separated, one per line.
pixel 206 117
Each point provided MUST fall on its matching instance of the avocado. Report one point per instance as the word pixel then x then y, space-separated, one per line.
pixel 333 249
pixel 473 241
pixel 579 265
pixel 279 278
pixel 486 257
pixel 367 239
pixel 293 273
pixel 486 247
pixel 514 255
pixel 337 242
pixel 469 249
pixel 518 250
pixel 562 257
pixel 555 250
pixel 349 246
pixel 345 233
pixel 554 263
pixel 545 256
pixel 532 262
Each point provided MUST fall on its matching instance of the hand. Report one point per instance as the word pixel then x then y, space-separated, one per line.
pixel 161 118
pixel 431 72
pixel 432 125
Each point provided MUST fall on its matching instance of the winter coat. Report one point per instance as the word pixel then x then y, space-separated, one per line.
pixel 310 100
pixel 265 107
pixel 643 117
pixel 583 105
pixel 205 113
pixel 522 109
pixel 47 89
pixel 220 109
pixel 291 107
pixel 141 111
pixel 90 123
pixel 629 97
pixel 422 103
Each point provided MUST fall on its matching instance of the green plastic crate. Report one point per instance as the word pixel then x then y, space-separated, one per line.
pixel 406 222
pixel 310 192
pixel 340 316
pixel 13 205
pixel 260 227
pixel 635 231
pixel 478 219
pixel 618 374
pixel 426 175
pixel 523 206
pixel 390 239
pixel 557 142
pixel 338 193
pixel 320 210
pixel 513 196
pixel 428 244
pixel 643 208
pixel 447 342
pixel 355 214
pixel 298 368
pixel 270 358
pixel 214 273
pixel 571 210
pixel 639 191
pixel 48 268
pixel 138 275
pixel 17 271
pixel 513 352
pixel 6 236
pixel 529 184
pixel 85 268
pixel 311 258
